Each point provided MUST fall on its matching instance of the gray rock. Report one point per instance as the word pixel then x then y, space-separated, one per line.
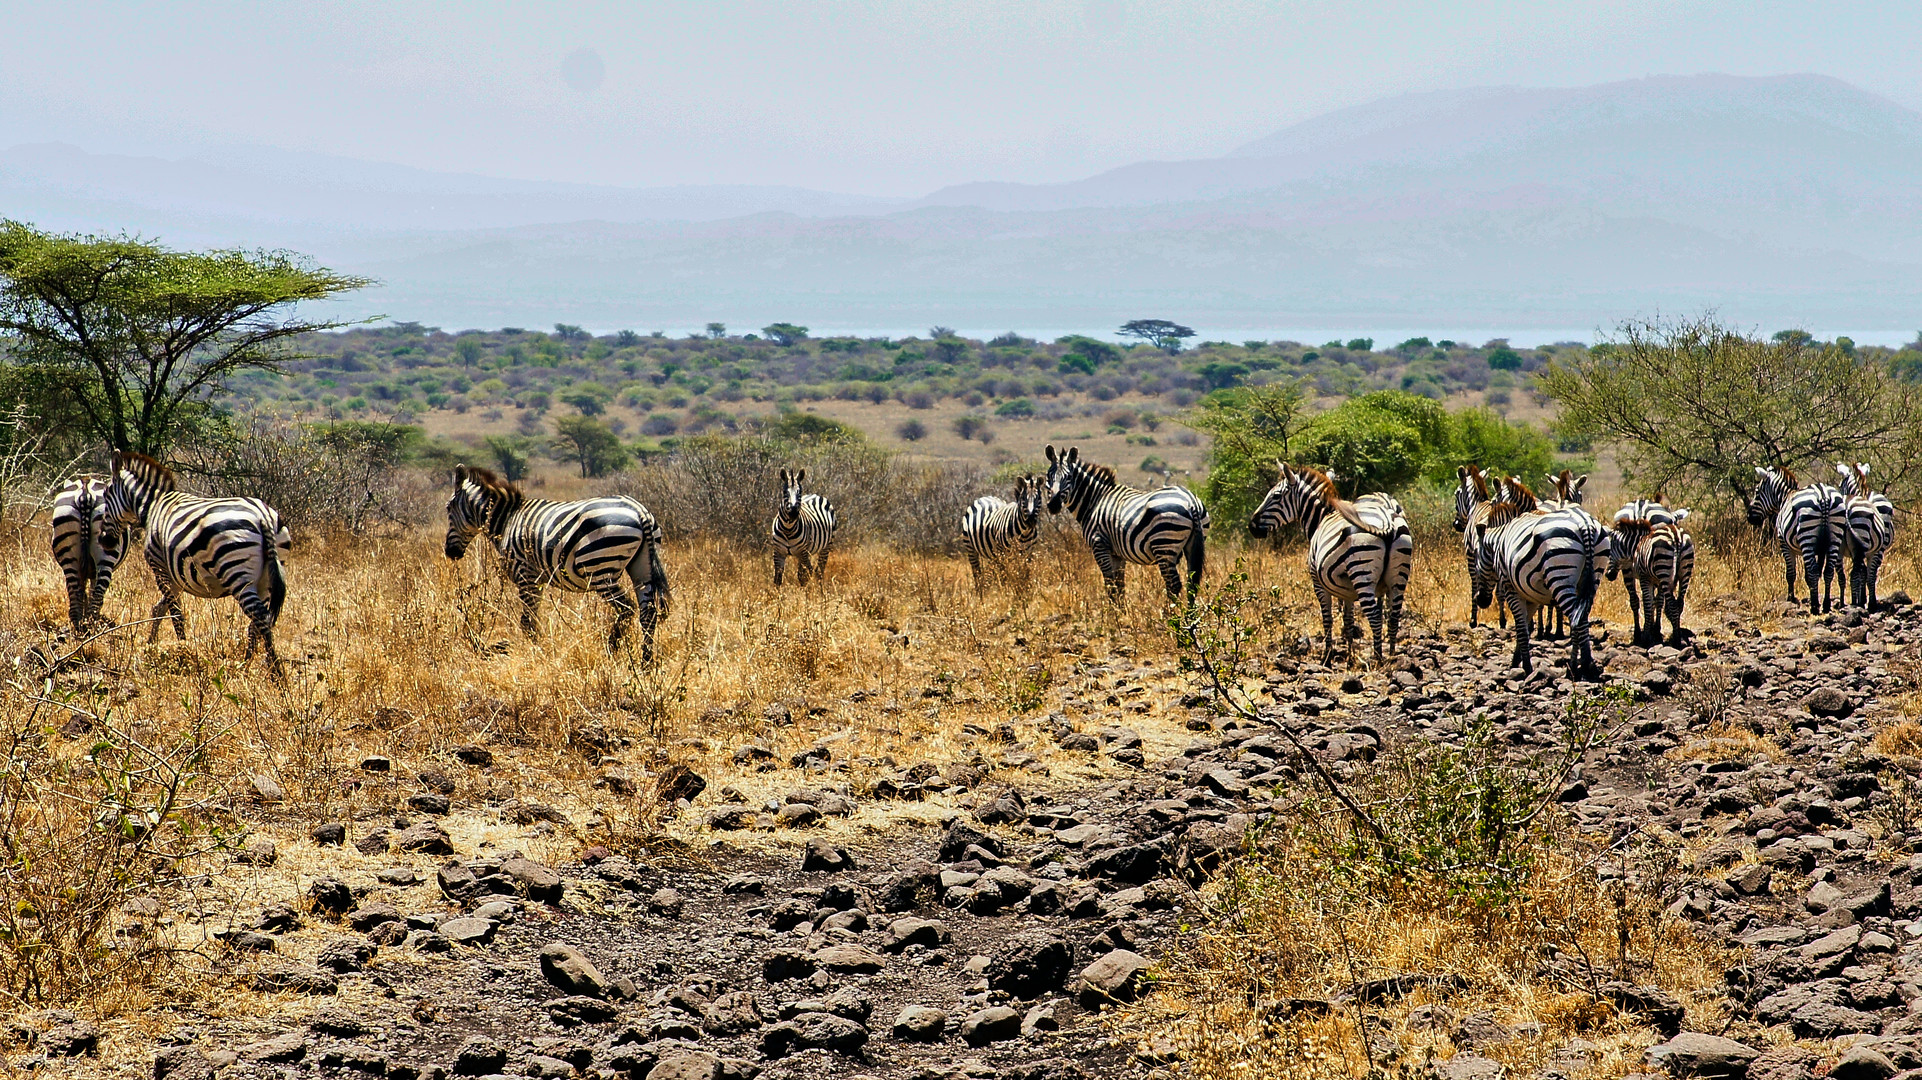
pixel 667 903
pixel 427 941
pixel 1031 964
pixel 368 916
pixel 535 881
pixel 1116 976
pixel 823 857
pixel 858 959
pixel 342 1023
pixel 990 1025
pixel 929 933
pixel 479 1056
pixel 540 1065
pixel 574 1011
pixel 1863 1063
pixel 281 1049
pixel 265 789
pixel 574 974
pixel 1693 1053
pixel 1040 1018
pixel 797 815
pixel 328 834
pixel 258 852
pixel 345 954
pixel 1469 1067
pixel 181 1063
pixel 467 930
pixel 331 896
pixel 73 1038
pixel 297 979
pixel 687 1065
pixel 1828 701
pixel 814 1031
pixel 920 1023
pixel 426 838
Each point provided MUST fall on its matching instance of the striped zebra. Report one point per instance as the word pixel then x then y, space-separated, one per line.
pixel 1870 529
pixel 207 547
pixel 1125 525
pixel 994 528
pixel 1630 526
pixel 87 544
pixel 1809 524
pixel 1545 557
pixel 1471 500
pixel 1658 556
pixel 1358 552
pixel 803 526
pixel 584 546
pixel 1569 490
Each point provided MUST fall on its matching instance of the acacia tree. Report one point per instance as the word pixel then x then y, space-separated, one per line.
pixel 589 443
pixel 1695 406
pixel 141 336
pixel 1160 333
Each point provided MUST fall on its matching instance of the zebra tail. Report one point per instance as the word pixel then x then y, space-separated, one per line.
pixel 657 577
pixel 276 579
pixel 1585 585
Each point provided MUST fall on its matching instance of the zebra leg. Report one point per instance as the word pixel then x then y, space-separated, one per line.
pixel 1327 627
pixel 76 598
pixel 1789 557
pixel 624 609
pixel 1171 577
pixel 1114 575
pixel 1674 609
pixel 1871 579
pixel 821 567
pixel 974 563
pixel 802 565
pixel 780 563
pixel 1651 628
pixel 260 629
pixel 530 591
pixel 1350 632
pixel 1371 609
pixel 1197 559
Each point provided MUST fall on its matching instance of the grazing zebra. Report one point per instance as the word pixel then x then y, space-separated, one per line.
pixel 208 547
pixel 1358 552
pixel 1659 556
pixel 1125 525
pixel 582 546
pixel 1870 529
pixel 1631 525
pixel 803 526
pixel 87 544
pixel 1545 557
pixel 1809 523
pixel 993 528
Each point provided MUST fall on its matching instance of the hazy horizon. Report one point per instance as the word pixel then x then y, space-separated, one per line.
pixel 895 99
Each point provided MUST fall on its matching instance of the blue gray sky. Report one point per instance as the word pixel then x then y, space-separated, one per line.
pixel 864 96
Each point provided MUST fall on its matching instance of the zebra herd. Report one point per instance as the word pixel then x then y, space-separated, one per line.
pixel 1540 560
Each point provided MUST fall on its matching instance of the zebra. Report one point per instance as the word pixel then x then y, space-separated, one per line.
pixel 202 546
pixel 1870 528
pixel 1659 556
pixel 1544 557
pixel 1359 552
pixel 1471 499
pixel 993 527
pixel 582 546
pixel 1569 490
pixel 1125 525
pixel 1809 523
pixel 803 526
pixel 1631 524
pixel 87 544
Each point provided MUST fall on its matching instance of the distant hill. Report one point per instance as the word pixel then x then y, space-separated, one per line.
pixel 1777 201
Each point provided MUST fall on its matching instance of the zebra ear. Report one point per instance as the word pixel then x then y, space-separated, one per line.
pixel 1050 453
pixel 1681 515
pixel 1862 467
pixel 1761 472
pixel 1074 453
pixel 800 476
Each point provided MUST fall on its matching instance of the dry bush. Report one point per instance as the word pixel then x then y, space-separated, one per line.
pixel 728 488
pixel 93 812
pixel 344 475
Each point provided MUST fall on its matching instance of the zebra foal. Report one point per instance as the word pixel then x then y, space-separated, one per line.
pixel 583 546
pixel 207 547
pixel 1657 558
pixel 87 544
pixel 803 526
pixel 1127 525
pixel 1538 558
pixel 994 528
pixel 1358 552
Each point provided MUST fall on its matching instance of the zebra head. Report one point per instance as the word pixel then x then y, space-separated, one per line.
pixel 1064 472
pixel 478 499
pixel 1771 490
pixel 1285 503
pixel 137 481
pixel 791 493
pixel 1471 490
pixel 1569 487
pixel 1855 478
pixel 1513 491
pixel 1027 500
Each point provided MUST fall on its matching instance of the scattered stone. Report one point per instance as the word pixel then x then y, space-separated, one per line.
pixel 574 974
pixel 1031 964
pixel 1695 1054
pixel 344 955
pixel 467 931
pixel 258 852
pixel 920 1023
pixel 1863 1063
pixel 367 916
pixel 265 789
pixel 679 782
pixel 666 903
pixel 297 979
pixel 474 755
pixel 281 1050
pixel 328 834
pixel 182 1063
pixel 537 882
pixel 1116 976
pixel 991 1025
pixel 426 838
pixel 823 857
pixel 576 1010
pixel 331 896
pixel 814 1031
pixel 479 1056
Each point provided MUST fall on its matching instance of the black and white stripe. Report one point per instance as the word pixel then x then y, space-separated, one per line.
pixel 803 526
pixel 1358 552
pixel 1870 529
pixel 1569 490
pixel 1472 500
pixel 1810 525
pixel 1126 525
pixel 585 546
pixel 87 544
pixel 1547 558
pixel 994 528
pixel 206 547
pixel 1656 558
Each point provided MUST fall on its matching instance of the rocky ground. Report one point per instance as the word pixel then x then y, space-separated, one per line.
pixel 989 945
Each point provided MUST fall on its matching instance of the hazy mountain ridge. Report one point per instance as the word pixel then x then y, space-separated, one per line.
pixel 1774 200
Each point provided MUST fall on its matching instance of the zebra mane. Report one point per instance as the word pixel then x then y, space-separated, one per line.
pixel 1788 477
pixel 144 468
pixel 492 482
pixel 1481 482
pixel 1527 500
pixel 1324 486
pixel 1102 473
